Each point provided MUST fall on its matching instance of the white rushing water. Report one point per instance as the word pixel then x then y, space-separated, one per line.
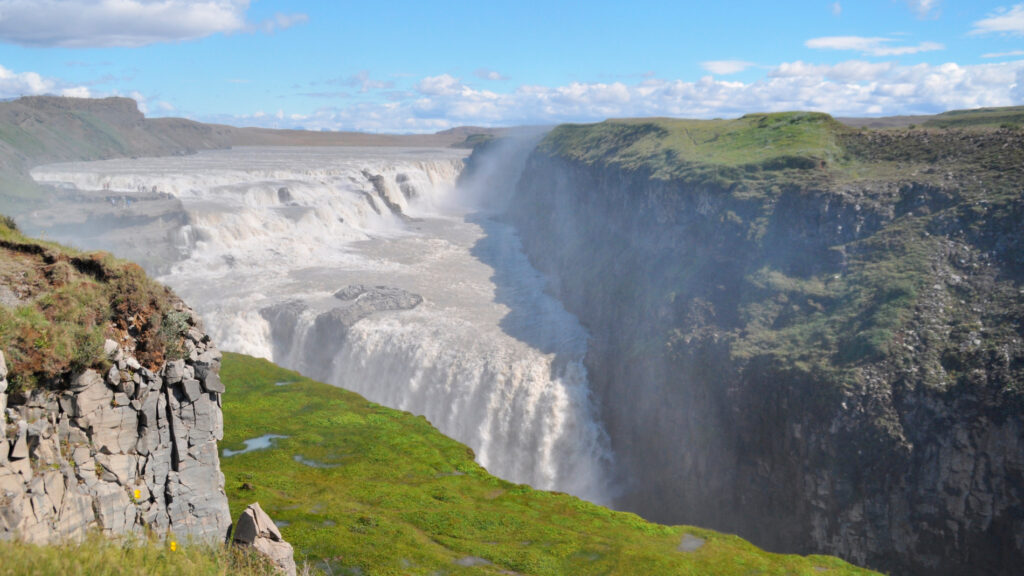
pixel 487 356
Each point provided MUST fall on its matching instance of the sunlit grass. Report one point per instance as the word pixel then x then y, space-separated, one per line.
pixel 383 492
pixel 715 151
pixel 99 556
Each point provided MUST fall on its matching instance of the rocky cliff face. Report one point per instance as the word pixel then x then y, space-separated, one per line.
pixel 128 451
pixel 827 367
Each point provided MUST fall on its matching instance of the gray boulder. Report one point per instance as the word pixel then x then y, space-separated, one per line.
pixel 256 529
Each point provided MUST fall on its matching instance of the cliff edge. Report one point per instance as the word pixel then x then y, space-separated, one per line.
pixel 801 332
pixel 109 402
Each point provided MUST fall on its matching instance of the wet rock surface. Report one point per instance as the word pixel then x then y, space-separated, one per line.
pixel 364 300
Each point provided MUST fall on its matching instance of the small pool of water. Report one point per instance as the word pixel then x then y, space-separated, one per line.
pixel 258 443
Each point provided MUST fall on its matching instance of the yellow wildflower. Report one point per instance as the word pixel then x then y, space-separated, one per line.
pixel 174 545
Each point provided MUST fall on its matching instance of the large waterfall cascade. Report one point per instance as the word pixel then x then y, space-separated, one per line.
pixel 274 233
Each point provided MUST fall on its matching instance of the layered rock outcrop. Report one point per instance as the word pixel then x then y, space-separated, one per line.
pixel 129 450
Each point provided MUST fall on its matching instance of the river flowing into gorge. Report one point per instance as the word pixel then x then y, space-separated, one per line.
pixel 370 269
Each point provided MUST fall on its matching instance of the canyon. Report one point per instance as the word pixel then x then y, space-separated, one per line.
pixel 779 326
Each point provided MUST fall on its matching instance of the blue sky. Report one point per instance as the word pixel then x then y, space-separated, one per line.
pixel 421 66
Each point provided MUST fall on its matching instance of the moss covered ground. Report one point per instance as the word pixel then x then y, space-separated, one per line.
pixel 363 489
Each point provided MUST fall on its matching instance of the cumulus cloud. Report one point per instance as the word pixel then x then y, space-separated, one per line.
pixel 1003 21
pixel 487 74
pixel 852 88
pixel 15 84
pixel 102 23
pixel 725 67
pixel 872 46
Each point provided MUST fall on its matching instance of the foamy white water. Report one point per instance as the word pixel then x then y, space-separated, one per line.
pixel 488 357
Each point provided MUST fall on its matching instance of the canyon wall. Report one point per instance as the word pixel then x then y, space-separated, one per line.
pixel 821 365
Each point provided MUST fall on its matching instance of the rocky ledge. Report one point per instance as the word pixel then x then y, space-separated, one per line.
pixel 129 451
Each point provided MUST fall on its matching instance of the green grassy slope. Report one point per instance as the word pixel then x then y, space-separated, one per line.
pixel 980 117
pixel 715 150
pixel 369 490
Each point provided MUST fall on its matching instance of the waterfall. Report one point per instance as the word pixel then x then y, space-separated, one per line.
pixel 439 312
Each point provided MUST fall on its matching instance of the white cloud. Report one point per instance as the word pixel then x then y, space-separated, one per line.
pixel 1009 54
pixel 14 84
pixel 439 85
pixel 92 23
pixel 837 8
pixel 1003 21
pixel 725 67
pixel 851 88
pixel 487 74
pixel 872 46
pixel 923 7
pixel 76 92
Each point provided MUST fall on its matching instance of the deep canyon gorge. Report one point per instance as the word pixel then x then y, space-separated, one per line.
pixel 820 353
